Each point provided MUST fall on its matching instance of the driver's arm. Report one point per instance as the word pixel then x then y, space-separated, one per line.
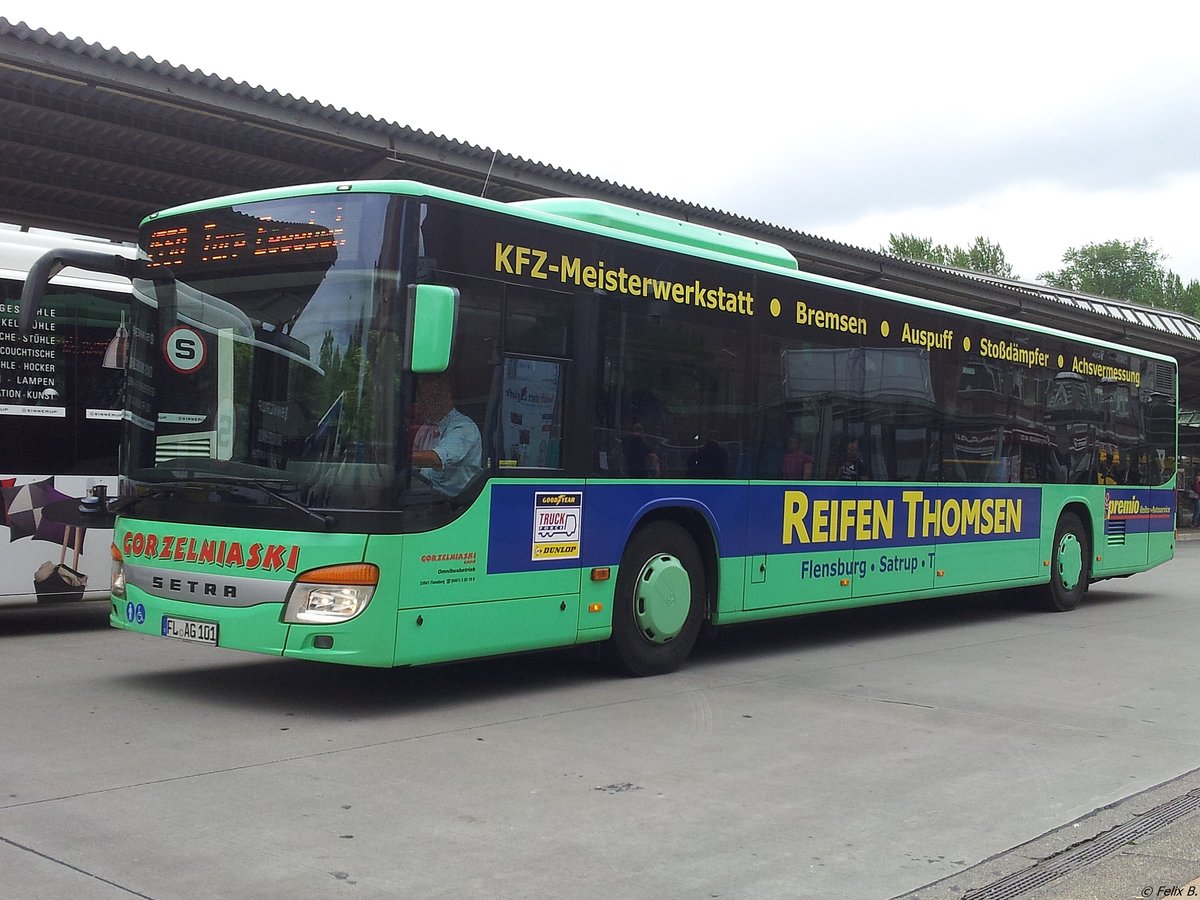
pixel 426 459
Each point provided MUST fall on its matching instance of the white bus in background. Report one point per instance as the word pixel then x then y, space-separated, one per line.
pixel 61 400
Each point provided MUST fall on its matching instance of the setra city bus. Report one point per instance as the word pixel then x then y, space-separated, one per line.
pixel 386 424
pixel 60 407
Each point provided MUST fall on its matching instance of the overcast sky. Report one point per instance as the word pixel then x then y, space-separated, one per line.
pixel 1039 125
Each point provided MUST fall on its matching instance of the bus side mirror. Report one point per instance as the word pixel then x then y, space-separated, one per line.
pixel 52 262
pixel 432 315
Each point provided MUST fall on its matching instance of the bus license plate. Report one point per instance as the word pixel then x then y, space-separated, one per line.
pixel 187 630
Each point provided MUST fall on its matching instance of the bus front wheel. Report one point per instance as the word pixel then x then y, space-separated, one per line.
pixel 658 603
pixel 1069 560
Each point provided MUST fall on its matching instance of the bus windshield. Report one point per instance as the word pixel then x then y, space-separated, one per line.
pixel 264 370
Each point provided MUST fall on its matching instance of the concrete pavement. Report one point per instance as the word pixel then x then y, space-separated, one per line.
pixel 1146 846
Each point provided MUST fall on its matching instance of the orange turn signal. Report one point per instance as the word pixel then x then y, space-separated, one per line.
pixel 350 573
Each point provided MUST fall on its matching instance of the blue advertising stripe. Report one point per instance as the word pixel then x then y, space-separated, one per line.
pixel 762 519
pixel 608 512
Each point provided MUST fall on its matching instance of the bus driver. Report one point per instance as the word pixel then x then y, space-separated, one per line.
pixel 447 448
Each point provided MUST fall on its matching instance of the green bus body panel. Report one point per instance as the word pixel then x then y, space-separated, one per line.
pixel 964 566
pixel 448 607
pixel 204 557
pixel 433 602
pixel 462 631
pixel 1161 550
pixel 885 575
pixel 436 601
pixel 449 565
pixel 256 629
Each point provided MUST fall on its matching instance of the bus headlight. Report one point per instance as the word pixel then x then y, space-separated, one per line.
pixel 118 573
pixel 331 594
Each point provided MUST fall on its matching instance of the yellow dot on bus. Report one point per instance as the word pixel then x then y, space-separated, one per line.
pixel 775 307
pixel 1060 360
pixel 884 328
pixel 966 344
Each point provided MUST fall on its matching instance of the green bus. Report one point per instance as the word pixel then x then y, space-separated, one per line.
pixel 386 424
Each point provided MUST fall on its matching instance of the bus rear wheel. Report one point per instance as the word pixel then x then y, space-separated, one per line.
pixel 658 604
pixel 1069 559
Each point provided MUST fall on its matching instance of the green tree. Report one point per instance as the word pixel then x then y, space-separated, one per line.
pixel 921 249
pixel 1180 298
pixel 1133 271
pixel 982 256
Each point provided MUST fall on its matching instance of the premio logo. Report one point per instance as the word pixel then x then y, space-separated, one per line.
pixel 1119 509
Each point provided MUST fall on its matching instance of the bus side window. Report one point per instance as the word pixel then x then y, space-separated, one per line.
pixel 533 390
pixel 673 394
pixel 531 413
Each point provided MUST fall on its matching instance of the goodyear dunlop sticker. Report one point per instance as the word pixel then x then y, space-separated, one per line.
pixel 556 523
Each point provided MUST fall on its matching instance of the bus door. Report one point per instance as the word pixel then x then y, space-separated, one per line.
pixel 895 551
pixel 987 511
pixel 892 458
pixel 1161 418
pixel 1123 535
pixel 996 447
pixel 1138 428
pixel 797 552
pixel 843 540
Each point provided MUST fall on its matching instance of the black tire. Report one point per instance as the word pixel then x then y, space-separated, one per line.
pixel 1070 565
pixel 653 631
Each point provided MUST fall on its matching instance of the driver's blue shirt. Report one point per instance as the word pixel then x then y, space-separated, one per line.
pixel 456 441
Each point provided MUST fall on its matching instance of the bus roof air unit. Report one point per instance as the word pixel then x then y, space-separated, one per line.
pixel 663 228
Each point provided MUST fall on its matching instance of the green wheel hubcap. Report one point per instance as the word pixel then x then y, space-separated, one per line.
pixel 1070 561
pixel 662 598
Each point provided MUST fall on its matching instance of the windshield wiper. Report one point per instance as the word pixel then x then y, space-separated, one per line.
pixel 324 520
pixel 118 504
pixel 180 479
